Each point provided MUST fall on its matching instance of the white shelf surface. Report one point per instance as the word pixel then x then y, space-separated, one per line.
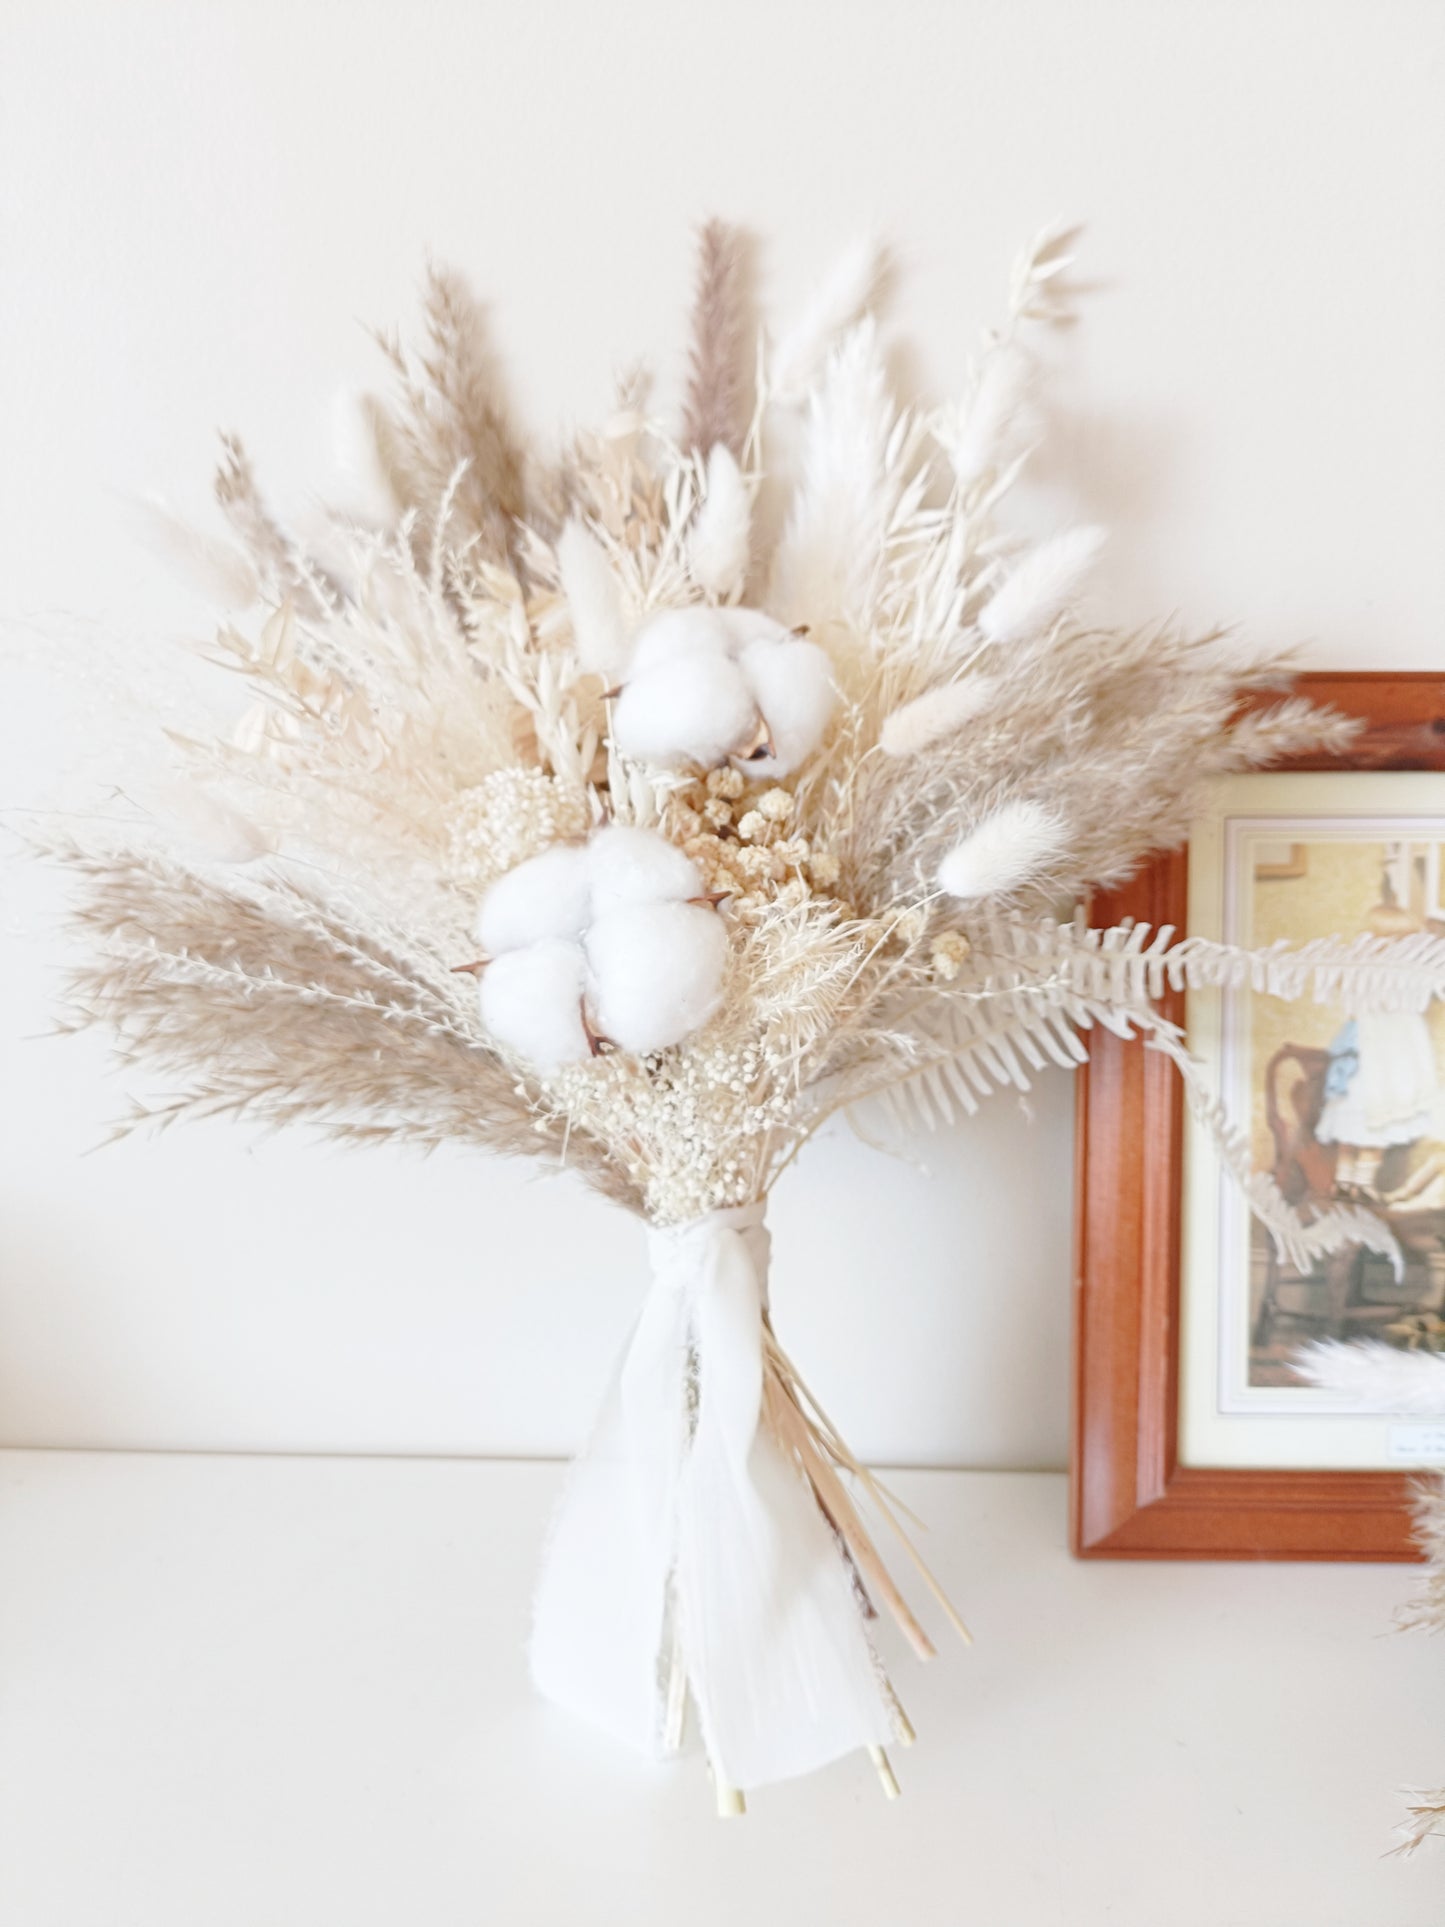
pixel 288 1692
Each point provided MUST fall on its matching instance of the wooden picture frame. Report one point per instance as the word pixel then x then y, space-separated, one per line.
pixel 1130 1497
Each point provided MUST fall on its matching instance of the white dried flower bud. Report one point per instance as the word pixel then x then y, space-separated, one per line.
pixel 753 826
pixel 776 805
pixel 796 849
pixel 717 812
pixel 825 870
pixel 726 782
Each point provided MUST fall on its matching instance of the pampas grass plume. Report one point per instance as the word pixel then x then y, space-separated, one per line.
pixel 718 548
pixel 849 291
pixel 1009 849
pixel 1040 586
pixel 935 714
pixel 1376 1377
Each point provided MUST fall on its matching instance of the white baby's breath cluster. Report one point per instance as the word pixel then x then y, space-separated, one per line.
pixel 511 815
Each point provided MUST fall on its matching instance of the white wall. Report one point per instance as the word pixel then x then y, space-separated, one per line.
pixel 199 204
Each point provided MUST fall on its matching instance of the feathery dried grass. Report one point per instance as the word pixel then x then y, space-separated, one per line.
pixel 718 404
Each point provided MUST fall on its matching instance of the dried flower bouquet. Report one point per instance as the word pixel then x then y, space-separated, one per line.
pixel 638 808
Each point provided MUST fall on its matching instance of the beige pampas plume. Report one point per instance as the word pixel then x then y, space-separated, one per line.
pixel 853 288
pixel 984 433
pixel 1040 586
pixel 212 566
pixel 718 548
pixel 936 714
pixel 594 601
pixel 449 437
pixel 720 370
pixel 1013 847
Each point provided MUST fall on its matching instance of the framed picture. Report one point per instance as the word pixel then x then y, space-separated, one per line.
pixel 1193 1436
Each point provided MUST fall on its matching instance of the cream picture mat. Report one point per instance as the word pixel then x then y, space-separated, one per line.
pixel 1224 1418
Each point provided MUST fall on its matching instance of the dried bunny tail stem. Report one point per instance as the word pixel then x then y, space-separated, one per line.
pixel 1039 588
pixel 594 601
pixel 1008 850
pixel 854 287
pixel 719 542
pixel 807 1429
pixel 718 403
pixel 986 429
pixel 937 713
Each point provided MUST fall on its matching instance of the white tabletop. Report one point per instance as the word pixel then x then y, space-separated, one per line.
pixel 252 1692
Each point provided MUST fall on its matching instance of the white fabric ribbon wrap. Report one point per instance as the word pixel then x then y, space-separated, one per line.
pixel 776 1653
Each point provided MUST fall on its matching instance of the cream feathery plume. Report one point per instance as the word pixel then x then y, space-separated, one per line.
pixel 1013 847
pixel 983 433
pixel 935 714
pixel 831 547
pixel 718 547
pixel 1376 1377
pixel 852 289
pixel 717 405
pixel 593 599
pixel 1039 587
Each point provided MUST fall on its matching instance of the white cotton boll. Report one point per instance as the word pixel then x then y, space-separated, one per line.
pixel 1012 847
pixel 718 548
pixel 792 684
pixel 656 973
pixel 547 896
pixel 694 709
pixel 1041 585
pixel 627 865
pixel 593 601
pixel 936 714
pixel 531 1001
pixel 672 633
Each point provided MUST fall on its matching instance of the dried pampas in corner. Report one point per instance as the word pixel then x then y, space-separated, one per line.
pixel 574 817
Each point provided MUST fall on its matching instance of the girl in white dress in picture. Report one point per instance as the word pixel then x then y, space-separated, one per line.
pixel 1381 1087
